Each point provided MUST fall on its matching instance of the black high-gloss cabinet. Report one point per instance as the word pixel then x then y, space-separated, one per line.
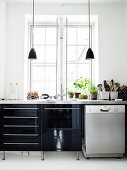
pixel 61 128
pixel 0 129
pixel 21 127
pixel 126 130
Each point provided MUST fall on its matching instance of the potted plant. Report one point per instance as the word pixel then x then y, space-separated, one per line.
pixel 70 93
pixel 93 90
pixel 77 88
pixel 81 86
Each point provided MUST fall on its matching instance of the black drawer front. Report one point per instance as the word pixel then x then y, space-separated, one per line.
pixel 21 127
pixel 21 121
pixel 21 130
pixel 21 139
pixel 0 130
pixel 21 147
pixel 24 143
pixel 21 111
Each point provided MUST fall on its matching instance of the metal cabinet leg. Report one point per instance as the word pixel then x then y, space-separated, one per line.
pixel 43 155
pixel 3 155
pixel 77 155
pixel 28 153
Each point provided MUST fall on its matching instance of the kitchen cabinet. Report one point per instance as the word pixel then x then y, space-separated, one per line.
pixel 21 127
pixel 126 130
pixel 0 130
pixel 43 127
pixel 61 128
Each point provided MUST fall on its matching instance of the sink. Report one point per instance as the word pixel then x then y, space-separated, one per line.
pixel 57 100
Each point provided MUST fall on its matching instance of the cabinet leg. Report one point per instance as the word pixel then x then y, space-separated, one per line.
pixel 28 153
pixel 77 155
pixel 43 155
pixel 3 155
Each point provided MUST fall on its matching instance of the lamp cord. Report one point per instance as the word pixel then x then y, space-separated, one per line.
pixel 33 27
pixel 89 20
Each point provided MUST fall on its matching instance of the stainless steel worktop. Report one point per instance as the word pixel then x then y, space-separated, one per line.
pixel 62 102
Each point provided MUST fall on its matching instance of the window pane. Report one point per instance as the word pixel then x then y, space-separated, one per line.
pixel 71 73
pixel 51 36
pixel 50 54
pixel 37 86
pixel 72 36
pixel 40 51
pixel 39 36
pixel 50 73
pixel 50 88
pixel 71 54
pixel 82 36
pixel 37 73
pixel 83 70
pixel 81 50
pixel 43 87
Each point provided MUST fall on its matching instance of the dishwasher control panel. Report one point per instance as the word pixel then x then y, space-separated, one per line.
pixel 105 108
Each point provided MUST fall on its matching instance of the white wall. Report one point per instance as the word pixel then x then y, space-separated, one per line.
pixel 112 40
pixel 2 46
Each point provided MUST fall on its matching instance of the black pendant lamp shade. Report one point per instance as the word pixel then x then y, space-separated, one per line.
pixel 32 54
pixel 89 54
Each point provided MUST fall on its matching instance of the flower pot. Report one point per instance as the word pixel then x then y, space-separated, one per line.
pixel 105 95
pixel 82 96
pixel 71 95
pixel 113 95
pixel 85 97
pixel 77 95
pixel 93 96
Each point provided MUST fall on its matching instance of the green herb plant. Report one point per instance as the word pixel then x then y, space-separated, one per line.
pixel 92 88
pixel 70 92
pixel 81 85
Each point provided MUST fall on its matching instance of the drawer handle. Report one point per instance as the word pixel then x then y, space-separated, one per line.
pixel 17 117
pixel 21 135
pixel 20 108
pixel 21 125
pixel 61 108
pixel 21 143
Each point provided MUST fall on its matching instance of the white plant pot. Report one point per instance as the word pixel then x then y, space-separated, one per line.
pixel 104 95
pixel 113 95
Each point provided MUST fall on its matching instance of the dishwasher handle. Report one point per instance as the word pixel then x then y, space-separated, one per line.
pixel 104 110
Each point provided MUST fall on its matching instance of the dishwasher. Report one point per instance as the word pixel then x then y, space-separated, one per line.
pixel 104 131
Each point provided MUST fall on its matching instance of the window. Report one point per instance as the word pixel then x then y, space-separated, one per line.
pixel 59 46
pixel 77 66
pixel 43 70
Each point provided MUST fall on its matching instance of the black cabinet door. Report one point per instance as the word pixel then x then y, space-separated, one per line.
pixel 126 129
pixel 21 127
pixel 0 129
pixel 61 128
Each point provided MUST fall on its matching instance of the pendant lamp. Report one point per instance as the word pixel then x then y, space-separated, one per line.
pixel 32 53
pixel 89 54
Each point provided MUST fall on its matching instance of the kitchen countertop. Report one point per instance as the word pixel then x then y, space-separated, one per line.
pixel 82 101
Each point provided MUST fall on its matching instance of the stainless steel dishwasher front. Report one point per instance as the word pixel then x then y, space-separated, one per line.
pixel 104 131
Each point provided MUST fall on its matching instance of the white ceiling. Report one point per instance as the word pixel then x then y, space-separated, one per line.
pixel 70 1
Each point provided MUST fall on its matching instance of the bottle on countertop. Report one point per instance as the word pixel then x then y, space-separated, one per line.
pixel 13 91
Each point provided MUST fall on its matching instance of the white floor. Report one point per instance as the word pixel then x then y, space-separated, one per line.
pixel 58 161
